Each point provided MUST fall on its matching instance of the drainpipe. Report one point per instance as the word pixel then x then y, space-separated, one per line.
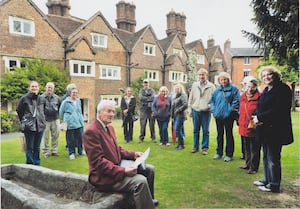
pixel 128 67
pixel 163 69
pixel 65 42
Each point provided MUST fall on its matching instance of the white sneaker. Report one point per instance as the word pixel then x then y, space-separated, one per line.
pixel 264 189
pixel 258 183
pixel 72 157
pixel 217 156
pixel 227 159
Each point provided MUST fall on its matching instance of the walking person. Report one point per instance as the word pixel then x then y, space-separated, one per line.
pixel 178 113
pixel 30 111
pixel 161 109
pixel 146 96
pixel 105 155
pixel 128 104
pixel 273 117
pixel 199 110
pixel 224 105
pixel 71 112
pixel 248 104
pixel 52 121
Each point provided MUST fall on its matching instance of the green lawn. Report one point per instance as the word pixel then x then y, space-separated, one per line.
pixel 185 180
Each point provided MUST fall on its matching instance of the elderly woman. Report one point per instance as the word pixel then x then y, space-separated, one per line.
pixel 248 104
pixel 224 104
pixel 178 112
pixel 161 110
pixel 273 116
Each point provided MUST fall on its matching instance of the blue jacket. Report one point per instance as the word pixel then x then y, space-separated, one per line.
pixel 225 101
pixel 160 112
pixel 71 113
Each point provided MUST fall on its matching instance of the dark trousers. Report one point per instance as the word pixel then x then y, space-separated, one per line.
pixel 145 115
pixel 226 124
pixel 33 142
pixel 128 130
pixel 252 152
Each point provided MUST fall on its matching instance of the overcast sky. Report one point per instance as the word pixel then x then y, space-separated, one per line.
pixel 220 19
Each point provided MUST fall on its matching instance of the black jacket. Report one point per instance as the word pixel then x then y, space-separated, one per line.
pixel 274 111
pixel 26 108
pixel 51 107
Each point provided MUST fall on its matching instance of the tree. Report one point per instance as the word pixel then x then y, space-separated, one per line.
pixel 278 30
pixel 15 84
pixel 192 70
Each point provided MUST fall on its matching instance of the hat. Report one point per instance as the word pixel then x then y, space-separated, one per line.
pixel 247 79
pixel 145 81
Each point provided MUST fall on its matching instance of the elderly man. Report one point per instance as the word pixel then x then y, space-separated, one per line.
pixel 104 156
pixel 199 110
pixel 52 121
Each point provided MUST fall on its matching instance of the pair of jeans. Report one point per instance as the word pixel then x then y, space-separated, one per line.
pixel 201 119
pixel 145 115
pixel 74 138
pixel 33 142
pixel 272 165
pixel 226 124
pixel 178 124
pixel 163 131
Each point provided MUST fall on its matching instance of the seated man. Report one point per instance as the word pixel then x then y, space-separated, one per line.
pixel 104 156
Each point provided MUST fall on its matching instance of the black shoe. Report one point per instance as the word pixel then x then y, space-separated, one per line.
pixel 180 147
pixel 153 140
pixel 155 202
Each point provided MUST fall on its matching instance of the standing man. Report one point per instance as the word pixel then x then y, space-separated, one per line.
pixel 52 121
pixel 199 110
pixel 146 96
pixel 105 155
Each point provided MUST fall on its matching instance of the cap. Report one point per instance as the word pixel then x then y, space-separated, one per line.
pixel 145 81
pixel 247 79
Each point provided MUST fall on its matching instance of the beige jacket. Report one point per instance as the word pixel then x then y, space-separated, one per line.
pixel 200 97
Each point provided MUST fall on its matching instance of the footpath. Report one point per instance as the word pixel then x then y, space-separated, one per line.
pixel 15 135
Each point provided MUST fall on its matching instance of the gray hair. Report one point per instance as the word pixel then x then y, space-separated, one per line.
pixel 224 75
pixel 103 103
pixel 70 87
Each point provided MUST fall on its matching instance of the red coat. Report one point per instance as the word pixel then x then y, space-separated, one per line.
pixel 247 107
pixel 104 156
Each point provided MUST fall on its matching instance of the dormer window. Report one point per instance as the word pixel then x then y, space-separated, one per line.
pixel 99 40
pixel 149 49
pixel 178 52
pixel 21 26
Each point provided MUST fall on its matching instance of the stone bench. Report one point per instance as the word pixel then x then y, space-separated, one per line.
pixel 26 186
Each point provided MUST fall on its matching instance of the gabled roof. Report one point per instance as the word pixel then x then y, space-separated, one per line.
pixel 211 52
pixel 72 46
pixel 194 44
pixel 67 25
pixel 245 52
pixel 166 43
pixel 171 59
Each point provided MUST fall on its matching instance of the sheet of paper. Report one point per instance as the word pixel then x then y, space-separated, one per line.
pixel 141 160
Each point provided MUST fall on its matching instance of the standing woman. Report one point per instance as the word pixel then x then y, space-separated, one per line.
pixel 178 113
pixel 248 104
pixel 161 110
pixel 71 113
pixel 224 104
pixel 128 104
pixel 31 114
pixel 273 116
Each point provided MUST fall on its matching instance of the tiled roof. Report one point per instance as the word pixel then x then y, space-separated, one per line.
pixel 165 43
pixel 211 52
pixel 193 44
pixel 245 52
pixel 66 25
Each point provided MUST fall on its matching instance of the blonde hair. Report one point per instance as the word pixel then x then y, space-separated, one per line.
pixel 181 88
pixel 270 69
pixel 163 88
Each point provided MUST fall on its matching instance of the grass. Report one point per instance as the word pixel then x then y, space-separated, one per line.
pixel 185 180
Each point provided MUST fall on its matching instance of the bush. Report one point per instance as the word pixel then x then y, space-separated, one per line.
pixel 9 122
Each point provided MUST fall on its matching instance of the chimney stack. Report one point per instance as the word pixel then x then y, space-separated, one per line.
pixel 210 42
pixel 176 24
pixel 59 7
pixel 126 16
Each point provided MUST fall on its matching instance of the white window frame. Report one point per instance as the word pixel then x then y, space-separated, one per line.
pixel 176 76
pixel 96 40
pixel 200 59
pixel 246 72
pixel 178 52
pixel 149 49
pixel 23 23
pixel 84 65
pixel 152 75
pixel 247 61
pixel 110 72
pixel 7 61
pixel 116 98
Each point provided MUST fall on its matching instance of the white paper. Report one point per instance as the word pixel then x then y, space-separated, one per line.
pixel 137 162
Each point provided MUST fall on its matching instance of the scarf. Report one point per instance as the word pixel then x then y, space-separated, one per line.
pixel 162 101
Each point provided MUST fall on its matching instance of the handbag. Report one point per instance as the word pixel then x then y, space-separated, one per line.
pixel 135 117
pixel 252 124
pixel 28 123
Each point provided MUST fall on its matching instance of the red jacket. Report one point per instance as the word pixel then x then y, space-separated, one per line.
pixel 104 156
pixel 247 107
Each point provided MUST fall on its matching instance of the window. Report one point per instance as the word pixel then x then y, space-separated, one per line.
pixel 21 26
pixel 11 63
pixel 152 75
pixel 200 59
pixel 82 68
pixel 178 52
pixel 99 40
pixel 116 98
pixel 247 61
pixel 110 72
pixel 175 76
pixel 149 49
pixel 246 72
